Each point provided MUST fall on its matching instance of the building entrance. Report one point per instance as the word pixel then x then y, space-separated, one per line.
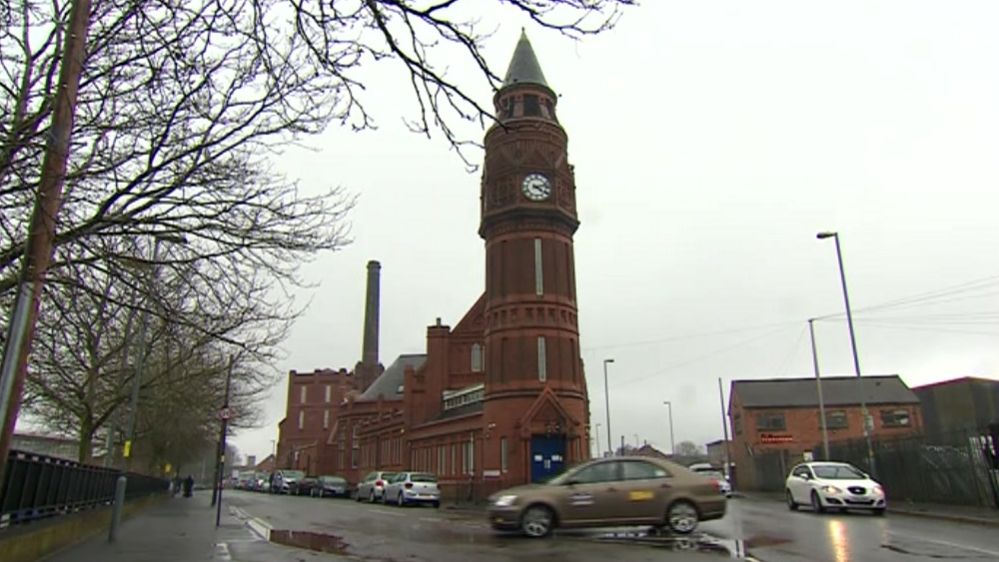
pixel 547 456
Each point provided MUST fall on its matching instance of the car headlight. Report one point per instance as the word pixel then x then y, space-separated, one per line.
pixel 879 491
pixel 505 501
pixel 831 490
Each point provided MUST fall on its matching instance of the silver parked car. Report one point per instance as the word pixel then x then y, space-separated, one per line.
pixel 372 487
pixel 407 488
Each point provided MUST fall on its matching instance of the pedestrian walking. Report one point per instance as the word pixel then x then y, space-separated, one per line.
pixel 188 486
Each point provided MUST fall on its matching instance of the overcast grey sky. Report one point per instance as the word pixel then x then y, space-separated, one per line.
pixel 711 141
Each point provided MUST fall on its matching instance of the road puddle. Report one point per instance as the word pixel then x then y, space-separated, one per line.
pixel 319 542
pixel 698 542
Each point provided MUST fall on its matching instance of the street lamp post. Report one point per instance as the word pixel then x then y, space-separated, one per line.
pixel 672 445
pixel 122 481
pixel 818 386
pixel 600 452
pixel 853 347
pixel 610 442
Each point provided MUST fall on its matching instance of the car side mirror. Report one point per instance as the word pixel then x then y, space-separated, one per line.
pixel 570 482
pixel 806 476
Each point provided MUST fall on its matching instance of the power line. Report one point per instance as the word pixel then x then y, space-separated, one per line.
pixel 711 354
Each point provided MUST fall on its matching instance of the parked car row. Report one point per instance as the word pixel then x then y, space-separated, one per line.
pixel 293 482
pixel 399 488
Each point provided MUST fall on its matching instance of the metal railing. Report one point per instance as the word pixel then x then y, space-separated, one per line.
pixel 38 486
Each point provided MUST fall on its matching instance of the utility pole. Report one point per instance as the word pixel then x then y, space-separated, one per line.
pixel 818 386
pixel 610 442
pixel 41 228
pixel 721 399
pixel 224 414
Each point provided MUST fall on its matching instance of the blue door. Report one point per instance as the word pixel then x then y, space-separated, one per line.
pixel 547 457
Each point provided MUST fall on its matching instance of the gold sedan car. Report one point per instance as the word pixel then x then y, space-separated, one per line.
pixel 611 492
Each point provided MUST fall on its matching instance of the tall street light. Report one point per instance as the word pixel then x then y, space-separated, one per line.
pixel 672 445
pixel 610 442
pixel 853 347
pixel 137 375
pixel 600 452
pixel 818 386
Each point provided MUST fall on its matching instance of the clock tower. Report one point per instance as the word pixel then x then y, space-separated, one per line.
pixel 536 410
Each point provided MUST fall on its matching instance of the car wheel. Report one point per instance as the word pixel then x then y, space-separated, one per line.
pixel 357 495
pixel 817 506
pixel 371 498
pixel 790 501
pixel 436 505
pixel 399 501
pixel 682 517
pixel 537 521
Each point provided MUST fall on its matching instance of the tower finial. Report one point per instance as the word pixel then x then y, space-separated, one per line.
pixel 524 67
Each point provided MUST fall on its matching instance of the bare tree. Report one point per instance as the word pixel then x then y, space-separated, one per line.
pixel 183 107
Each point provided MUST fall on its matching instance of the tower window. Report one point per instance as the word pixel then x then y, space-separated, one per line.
pixel 507 107
pixel 476 358
pixel 326 419
pixel 532 106
pixel 539 276
pixel 301 419
pixel 542 360
pixel 302 394
pixel 329 393
pixel 503 455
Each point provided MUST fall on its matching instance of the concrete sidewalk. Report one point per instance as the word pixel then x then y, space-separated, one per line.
pixel 175 530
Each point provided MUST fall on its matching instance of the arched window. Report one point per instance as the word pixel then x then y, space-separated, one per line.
pixel 476 358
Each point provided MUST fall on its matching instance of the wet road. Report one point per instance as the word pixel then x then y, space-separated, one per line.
pixel 772 533
pixel 388 534
pixel 758 529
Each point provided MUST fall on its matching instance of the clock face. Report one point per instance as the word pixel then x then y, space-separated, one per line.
pixel 536 187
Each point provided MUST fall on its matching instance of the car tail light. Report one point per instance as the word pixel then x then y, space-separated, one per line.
pixel 717 485
pixel 408 485
pixel 379 483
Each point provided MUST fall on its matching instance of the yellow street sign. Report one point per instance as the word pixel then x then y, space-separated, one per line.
pixel 127 450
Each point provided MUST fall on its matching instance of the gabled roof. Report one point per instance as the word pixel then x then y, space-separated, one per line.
pixel 836 391
pixel 524 67
pixel 956 382
pixel 389 383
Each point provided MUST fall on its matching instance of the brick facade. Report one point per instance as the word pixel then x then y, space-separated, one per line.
pixel 792 429
pixel 500 399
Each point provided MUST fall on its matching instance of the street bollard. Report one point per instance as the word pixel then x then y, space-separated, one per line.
pixel 116 507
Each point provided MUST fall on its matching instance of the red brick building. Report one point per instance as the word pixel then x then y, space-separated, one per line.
pixel 500 399
pixel 778 419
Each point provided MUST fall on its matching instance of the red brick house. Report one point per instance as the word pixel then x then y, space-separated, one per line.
pixel 779 418
pixel 500 399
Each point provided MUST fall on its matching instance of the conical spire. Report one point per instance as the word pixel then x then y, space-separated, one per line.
pixel 524 67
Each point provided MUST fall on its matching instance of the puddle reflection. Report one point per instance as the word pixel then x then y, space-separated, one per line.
pixel 699 542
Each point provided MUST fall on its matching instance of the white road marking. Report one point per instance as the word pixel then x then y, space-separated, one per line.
pixel 946 543
pixel 222 551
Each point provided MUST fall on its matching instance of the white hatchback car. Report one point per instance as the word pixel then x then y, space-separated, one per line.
pixel 838 485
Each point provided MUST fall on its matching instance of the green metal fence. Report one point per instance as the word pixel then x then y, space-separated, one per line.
pixel 954 468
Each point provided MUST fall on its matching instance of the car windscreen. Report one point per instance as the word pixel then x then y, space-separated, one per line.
pixel 293 474
pixel 423 478
pixel 387 475
pixel 837 472
pixel 332 479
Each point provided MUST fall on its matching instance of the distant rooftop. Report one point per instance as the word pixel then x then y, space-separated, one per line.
pixel 390 383
pixel 836 391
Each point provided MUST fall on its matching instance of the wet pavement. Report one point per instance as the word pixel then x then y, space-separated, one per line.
pixel 753 530
pixel 772 533
pixel 363 531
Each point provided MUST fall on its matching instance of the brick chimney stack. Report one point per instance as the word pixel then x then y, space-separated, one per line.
pixel 369 352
